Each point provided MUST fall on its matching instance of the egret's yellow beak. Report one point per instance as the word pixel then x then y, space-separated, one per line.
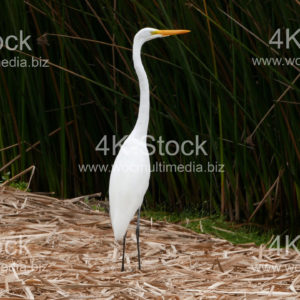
pixel 170 32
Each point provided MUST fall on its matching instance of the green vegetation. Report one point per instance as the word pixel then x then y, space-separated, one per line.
pixel 20 185
pixel 203 83
pixel 214 225
pixel 93 204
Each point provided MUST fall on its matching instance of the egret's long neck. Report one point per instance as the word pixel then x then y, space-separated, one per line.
pixel 141 126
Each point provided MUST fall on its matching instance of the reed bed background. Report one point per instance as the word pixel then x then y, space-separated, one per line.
pixel 202 84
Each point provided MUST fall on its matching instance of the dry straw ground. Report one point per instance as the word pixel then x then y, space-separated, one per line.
pixel 54 249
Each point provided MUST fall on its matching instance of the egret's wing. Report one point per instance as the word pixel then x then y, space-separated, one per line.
pixel 128 184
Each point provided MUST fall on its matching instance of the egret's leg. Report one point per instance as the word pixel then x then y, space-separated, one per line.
pixel 123 257
pixel 138 236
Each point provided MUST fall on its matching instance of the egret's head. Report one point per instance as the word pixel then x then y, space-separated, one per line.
pixel 147 34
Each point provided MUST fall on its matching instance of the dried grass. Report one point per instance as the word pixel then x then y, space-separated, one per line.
pixel 60 249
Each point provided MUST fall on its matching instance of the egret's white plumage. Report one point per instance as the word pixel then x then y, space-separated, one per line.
pixel 129 179
pixel 129 182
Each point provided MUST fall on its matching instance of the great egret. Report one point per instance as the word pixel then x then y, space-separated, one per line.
pixel 129 179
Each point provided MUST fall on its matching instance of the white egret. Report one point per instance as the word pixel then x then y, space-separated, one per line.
pixel 129 179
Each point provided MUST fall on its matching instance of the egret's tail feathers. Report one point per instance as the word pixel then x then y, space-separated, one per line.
pixel 120 227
